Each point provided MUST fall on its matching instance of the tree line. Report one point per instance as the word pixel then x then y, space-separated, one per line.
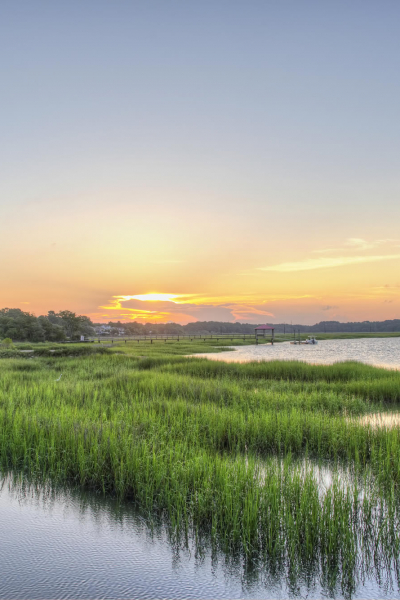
pixel 59 326
pixel 54 327
pixel 215 327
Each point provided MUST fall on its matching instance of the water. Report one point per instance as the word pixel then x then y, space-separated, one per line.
pixel 380 352
pixel 380 420
pixel 71 544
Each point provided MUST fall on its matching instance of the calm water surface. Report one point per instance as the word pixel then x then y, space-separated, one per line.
pixel 382 352
pixel 70 544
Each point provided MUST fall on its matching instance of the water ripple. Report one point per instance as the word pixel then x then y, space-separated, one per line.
pixel 380 352
pixel 75 545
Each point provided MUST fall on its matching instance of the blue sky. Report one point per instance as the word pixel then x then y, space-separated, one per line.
pixel 244 118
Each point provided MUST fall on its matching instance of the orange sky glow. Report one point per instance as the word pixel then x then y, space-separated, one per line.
pixel 232 277
pixel 346 283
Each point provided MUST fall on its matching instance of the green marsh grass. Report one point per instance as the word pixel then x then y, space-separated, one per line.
pixel 218 449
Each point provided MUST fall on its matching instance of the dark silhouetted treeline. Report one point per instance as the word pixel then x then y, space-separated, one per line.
pixel 215 327
pixel 23 326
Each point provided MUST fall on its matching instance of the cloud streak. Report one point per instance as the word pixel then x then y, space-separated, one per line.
pixel 359 244
pixel 324 262
pixel 180 308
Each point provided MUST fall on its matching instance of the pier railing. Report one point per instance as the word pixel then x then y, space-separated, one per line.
pixel 215 337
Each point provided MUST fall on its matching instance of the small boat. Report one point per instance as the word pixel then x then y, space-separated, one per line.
pixel 310 340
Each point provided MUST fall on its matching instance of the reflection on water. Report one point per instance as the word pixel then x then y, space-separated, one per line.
pixel 381 352
pixel 324 472
pixel 383 420
pixel 70 544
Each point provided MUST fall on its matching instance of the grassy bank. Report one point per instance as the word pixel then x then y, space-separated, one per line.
pixel 354 335
pixel 218 449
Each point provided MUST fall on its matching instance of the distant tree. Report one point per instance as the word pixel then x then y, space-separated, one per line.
pixel 7 342
pixel 16 324
pixel 54 318
pixel 86 327
pixel 75 325
pixel 51 332
pixel 13 332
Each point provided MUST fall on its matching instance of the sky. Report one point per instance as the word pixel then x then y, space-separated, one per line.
pixel 217 160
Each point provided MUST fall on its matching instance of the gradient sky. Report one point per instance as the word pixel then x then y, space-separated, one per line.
pixel 241 158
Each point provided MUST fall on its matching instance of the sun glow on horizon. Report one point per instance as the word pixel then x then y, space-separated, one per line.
pixel 154 297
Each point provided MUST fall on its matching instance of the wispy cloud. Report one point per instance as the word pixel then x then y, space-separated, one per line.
pixel 161 307
pixel 386 289
pixel 152 297
pixel 360 244
pixel 328 307
pixel 324 262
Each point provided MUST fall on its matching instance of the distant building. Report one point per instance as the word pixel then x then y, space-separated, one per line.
pixel 103 330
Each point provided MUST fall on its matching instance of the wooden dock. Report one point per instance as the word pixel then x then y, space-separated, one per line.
pixel 248 337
